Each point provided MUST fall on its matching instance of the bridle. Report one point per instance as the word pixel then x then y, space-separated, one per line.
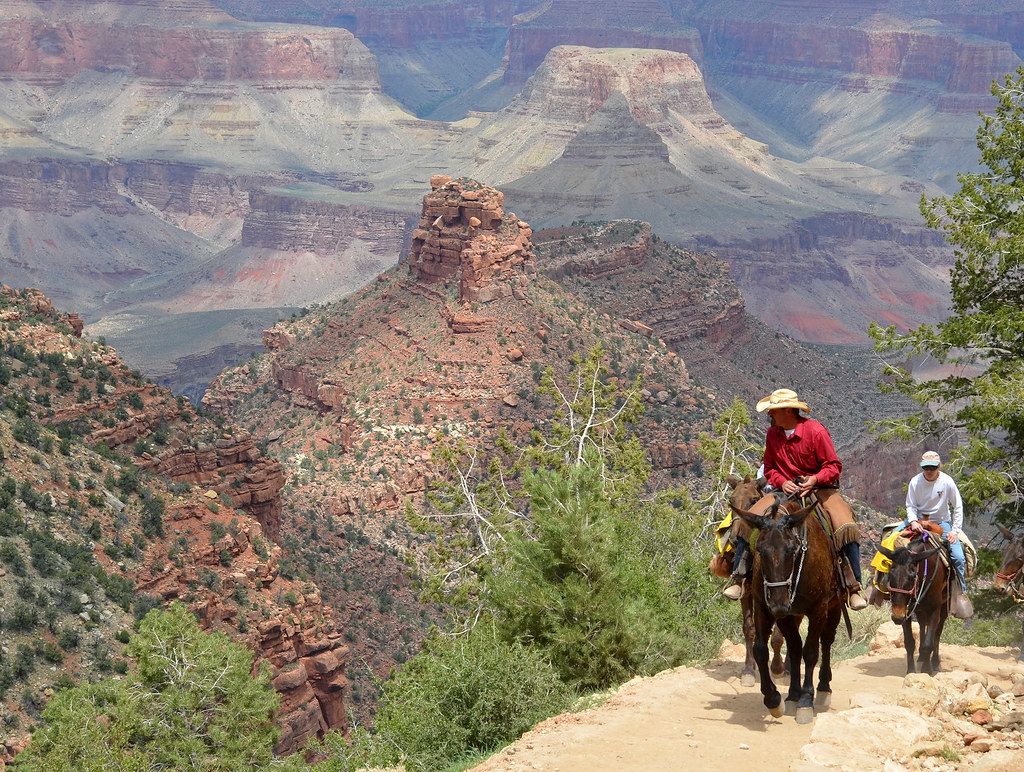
pixel 921 585
pixel 1014 580
pixel 798 562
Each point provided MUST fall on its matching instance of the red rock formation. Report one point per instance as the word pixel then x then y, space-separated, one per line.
pixel 578 257
pixel 231 466
pixel 812 42
pixel 300 643
pixel 277 339
pixel 464 234
pixel 211 545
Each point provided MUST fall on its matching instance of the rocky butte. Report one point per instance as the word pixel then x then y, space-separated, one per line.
pixel 464 234
pixel 355 397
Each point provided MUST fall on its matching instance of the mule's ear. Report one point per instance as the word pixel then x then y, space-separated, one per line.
pixel 796 518
pixel 887 552
pixel 733 480
pixel 919 556
pixel 761 482
pixel 754 521
pixel 1006 532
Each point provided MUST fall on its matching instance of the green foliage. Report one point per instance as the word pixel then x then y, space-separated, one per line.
pixel 565 549
pixel 982 342
pixel 190 704
pixel 565 587
pixel 457 696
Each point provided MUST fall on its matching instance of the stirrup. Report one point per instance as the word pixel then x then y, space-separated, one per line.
pixel 855 599
pixel 735 590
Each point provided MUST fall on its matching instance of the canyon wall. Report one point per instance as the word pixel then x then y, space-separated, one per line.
pixel 299 224
pixel 185 41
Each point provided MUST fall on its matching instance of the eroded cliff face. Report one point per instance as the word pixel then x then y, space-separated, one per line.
pixel 188 509
pixel 663 292
pixel 860 53
pixel 294 224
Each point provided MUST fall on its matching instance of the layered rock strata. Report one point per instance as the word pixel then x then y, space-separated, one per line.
pixel 184 41
pixel 629 24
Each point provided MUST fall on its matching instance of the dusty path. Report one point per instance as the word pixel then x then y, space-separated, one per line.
pixel 691 719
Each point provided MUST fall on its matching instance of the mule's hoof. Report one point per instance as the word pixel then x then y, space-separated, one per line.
pixel 747 679
pixel 791 707
pixel 776 711
pixel 804 715
pixel 822 701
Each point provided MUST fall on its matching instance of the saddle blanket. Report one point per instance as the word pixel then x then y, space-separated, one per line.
pixel 893 539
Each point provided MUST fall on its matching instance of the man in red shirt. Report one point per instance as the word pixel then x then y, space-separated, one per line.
pixel 799 457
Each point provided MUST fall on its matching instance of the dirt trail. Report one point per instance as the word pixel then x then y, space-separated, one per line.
pixel 691 719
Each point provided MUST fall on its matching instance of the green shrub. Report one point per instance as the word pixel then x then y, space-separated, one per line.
pixel 191 703
pixel 456 697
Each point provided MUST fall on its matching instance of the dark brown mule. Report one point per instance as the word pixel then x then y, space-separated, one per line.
pixel 794 576
pixel 744 494
pixel 1011 572
pixel 919 588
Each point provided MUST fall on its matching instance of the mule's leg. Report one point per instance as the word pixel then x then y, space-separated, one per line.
pixel 805 706
pixel 936 664
pixel 779 665
pixel 924 656
pixel 790 628
pixel 747 605
pixel 823 699
pixel 908 644
pixel 763 626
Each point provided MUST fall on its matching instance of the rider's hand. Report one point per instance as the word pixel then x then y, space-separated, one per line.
pixel 916 526
pixel 953 537
pixel 789 487
pixel 807 484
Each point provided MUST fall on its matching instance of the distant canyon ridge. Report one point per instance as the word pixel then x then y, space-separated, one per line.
pixel 185 174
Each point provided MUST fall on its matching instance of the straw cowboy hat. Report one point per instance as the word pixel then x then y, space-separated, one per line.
pixel 781 398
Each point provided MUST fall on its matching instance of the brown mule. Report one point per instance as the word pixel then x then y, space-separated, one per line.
pixel 744 493
pixel 794 577
pixel 1011 573
pixel 919 588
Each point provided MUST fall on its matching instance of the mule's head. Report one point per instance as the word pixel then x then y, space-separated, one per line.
pixel 781 548
pixel 905 576
pixel 1013 562
pixel 744 492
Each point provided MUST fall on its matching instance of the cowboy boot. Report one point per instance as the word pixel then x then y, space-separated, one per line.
pixel 734 590
pixel 740 568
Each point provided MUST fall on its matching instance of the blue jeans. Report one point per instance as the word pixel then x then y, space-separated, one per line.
pixel 956 553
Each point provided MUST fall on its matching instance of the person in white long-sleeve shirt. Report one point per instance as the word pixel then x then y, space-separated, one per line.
pixel 932 495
